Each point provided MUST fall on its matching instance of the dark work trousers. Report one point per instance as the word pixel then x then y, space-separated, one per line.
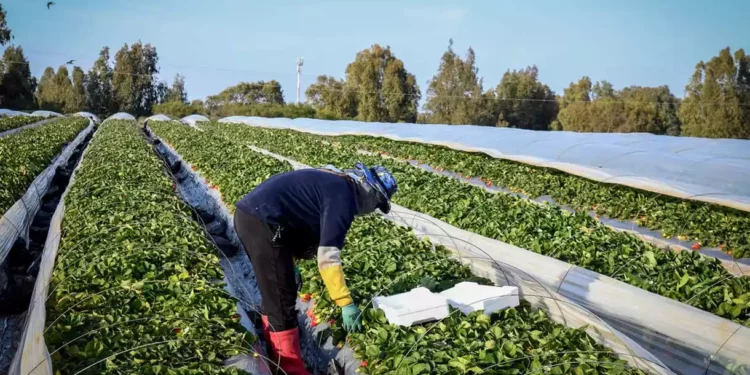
pixel 273 262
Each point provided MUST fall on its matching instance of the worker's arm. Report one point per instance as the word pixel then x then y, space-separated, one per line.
pixel 336 219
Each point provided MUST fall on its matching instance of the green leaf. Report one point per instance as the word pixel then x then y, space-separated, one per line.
pixel 420 368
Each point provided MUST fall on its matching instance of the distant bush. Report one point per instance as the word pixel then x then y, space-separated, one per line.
pixel 270 110
pixel 178 110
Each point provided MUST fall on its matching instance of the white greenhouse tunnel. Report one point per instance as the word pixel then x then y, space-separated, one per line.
pixel 702 169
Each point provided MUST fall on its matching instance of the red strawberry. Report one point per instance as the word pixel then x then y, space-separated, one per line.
pixel 332 322
pixel 596 216
pixel 696 246
pixel 310 314
pixel 314 323
pixel 176 330
pixel 363 364
pixel 306 297
pixel 236 317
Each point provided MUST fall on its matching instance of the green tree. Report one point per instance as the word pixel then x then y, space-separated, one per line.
pixel 385 90
pixel 245 93
pixel 57 93
pixel 45 92
pixel 5 33
pixel 77 101
pixel 331 95
pixel 177 93
pixel 600 108
pixel 455 94
pixel 63 87
pixel 98 84
pixel 523 102
pixel 17 85
pixel 717 104
pixel 650 110
pixel 134 78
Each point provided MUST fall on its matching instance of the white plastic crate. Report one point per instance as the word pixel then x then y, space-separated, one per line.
pixel 469 297
pixel 416 306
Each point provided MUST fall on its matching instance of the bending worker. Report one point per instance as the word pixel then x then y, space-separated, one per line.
pixel 291 215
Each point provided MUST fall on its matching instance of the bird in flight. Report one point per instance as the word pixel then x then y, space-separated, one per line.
pixel 70 62
pixel 50 3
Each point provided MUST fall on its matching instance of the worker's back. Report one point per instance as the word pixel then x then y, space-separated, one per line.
pixel 317 203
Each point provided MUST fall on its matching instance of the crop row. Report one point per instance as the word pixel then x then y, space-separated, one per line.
pixel 707 224
pixel 7 123
pixel 134 287
pixel 381 258
pixel 26 154
pixel 546 229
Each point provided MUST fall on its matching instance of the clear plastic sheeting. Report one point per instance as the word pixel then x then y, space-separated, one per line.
pixel 159 117
pixel 121 116
pixel 193 119
pixel 709 170
pixel 89 115
pixel 11 113
pixel 46 114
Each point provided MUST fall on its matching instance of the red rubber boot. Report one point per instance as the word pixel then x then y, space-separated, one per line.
pixel 284 350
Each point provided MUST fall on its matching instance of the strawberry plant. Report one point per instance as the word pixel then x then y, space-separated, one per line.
pixel 8 123
pixel 574 238
pixel 234 170
pixel 26 154
pixel 381 258
pixel 134 288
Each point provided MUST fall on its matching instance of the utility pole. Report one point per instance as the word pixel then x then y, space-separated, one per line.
pixel 299 73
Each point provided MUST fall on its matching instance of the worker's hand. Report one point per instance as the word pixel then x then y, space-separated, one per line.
pixel 352 318
pixel 298 278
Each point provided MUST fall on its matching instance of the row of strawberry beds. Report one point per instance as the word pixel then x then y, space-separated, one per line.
pixel 381 258
pixel 136 286
pixel 705 223
pixel 546 229
pixel 8 123
pixel 26 154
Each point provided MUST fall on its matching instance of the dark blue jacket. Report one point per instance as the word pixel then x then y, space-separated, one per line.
pixel 310 202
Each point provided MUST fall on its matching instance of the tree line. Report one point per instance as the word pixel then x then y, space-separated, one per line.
pixel 717 101
pixel 378 87
pixel 129 85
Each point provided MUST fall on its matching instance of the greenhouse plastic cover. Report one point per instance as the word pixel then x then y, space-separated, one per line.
pixel 121 116
pixel 11 113
pixel 89 115
pixel 710 170
pixel 159 117
pixel 192 119
pixel 46 114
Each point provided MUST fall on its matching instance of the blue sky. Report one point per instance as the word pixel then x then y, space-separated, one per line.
pixel 218 43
